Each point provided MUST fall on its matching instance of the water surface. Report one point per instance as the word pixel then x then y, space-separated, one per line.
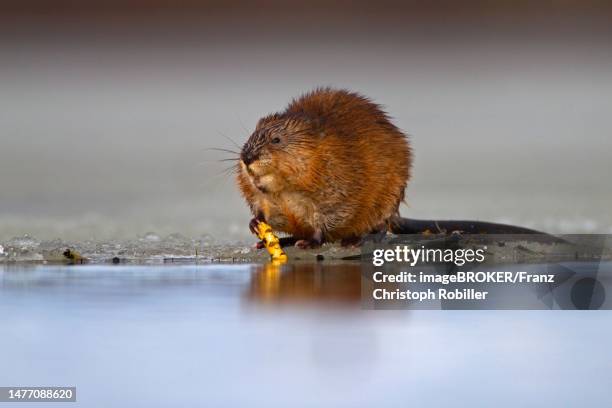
pixel 247 335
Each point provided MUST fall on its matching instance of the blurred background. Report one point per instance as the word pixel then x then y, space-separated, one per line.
pixel 107 108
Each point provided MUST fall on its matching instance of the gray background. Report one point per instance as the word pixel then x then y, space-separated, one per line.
pixel 105 115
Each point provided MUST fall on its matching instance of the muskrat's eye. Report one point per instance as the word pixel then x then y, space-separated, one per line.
pixel 276 140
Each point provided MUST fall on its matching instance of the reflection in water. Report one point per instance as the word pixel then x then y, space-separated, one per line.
pixel 122 333
pixel 306 283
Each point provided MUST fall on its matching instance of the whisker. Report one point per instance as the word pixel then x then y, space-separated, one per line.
pixel 232 141
pixel 208 161
pixel 222 150
pixel 241 123
pixel 227 171
pixel 217 175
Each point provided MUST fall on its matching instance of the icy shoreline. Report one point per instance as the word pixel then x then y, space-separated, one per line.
pixel 176 248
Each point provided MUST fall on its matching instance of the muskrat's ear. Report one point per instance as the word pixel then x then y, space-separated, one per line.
pixel 266 120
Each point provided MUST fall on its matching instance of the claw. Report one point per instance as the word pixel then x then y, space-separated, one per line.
pixel 253 225
pixel 307 244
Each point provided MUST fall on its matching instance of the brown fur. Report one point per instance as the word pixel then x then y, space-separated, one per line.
pixel 337 171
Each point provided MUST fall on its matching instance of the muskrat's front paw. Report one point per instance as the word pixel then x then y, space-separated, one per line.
pixel 253 225
pixel 307 244
pixel 259 245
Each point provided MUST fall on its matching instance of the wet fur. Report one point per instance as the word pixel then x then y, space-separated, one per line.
pixel 339 170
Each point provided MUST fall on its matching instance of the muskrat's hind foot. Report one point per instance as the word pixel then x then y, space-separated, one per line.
pixel 314 242
pixel 307 244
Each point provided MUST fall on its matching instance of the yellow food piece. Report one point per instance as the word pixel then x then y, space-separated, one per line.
pixel 264 232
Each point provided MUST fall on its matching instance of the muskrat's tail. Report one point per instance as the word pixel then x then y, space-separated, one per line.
pixel 399 225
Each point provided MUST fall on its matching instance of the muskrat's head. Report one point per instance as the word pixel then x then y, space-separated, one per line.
pixel 276 154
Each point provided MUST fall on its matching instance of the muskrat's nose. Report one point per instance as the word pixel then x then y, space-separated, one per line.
pixel 248 157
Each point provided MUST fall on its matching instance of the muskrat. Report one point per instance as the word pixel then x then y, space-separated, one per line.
pixel 332 166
